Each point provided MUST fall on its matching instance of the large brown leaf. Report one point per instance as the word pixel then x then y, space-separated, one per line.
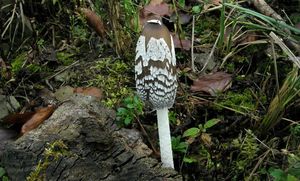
pixel 94 21
pixel 155 7
pixel 181 43
pixel 39 117
pixel 212 83
pixel 90 91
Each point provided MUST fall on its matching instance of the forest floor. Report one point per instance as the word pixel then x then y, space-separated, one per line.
pixel 236 114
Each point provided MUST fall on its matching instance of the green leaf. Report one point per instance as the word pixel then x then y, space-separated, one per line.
pixel 127 121
pixel 121 111
pixel 181 3
pixel 136 100
pixel 211 123
pixel 291 178
pixel 179 146
pixel 2 171
pixel 5 178
pixel 196 9
pixel 278 174
pixel 128 100
pixel 189 160
pixel 192 132
pixel 130 106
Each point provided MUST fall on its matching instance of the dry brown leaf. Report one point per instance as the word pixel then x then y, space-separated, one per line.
pixel 183 17
pixel 206 138
pixel 155 8
pixel 181 43
pixel 94 21
pixel 216 2
pixel 39 116
pixel 212 83
pixel 90 91
pixel 18 118
pixel 211 4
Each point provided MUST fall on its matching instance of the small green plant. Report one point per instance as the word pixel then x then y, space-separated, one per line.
pixel 172 117
pixel 243 102
pixel 193 133
pixel 248 148
pixel 65 58
pixel 41 44
pixel 178 145
pixel 52 152
pixel 131 13
pixel 111 76
pixel 196 131
pixel 133 108
pixel 3 175
pixel 18 63
pixel 289 90
pixel 295 130
pixel 280 175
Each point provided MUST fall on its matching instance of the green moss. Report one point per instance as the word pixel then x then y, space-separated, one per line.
pixel 79 32
pixel 206 29
pixel 230 67
pixel 242 102
pixel 34 68
pixel 52 153
pixel 112 79
pixel 65 58
pixel 248 149
pixel 18 62
pixel 3 174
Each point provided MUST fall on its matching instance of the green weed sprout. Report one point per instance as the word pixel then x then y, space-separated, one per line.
pixel 196 131
pixel 133 108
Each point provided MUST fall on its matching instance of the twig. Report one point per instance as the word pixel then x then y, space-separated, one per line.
pixel 265 9
pixel 192 48
pixel 62 70
pixel 259 141
pixel 257 165
pixel 147 136
pixel 210 54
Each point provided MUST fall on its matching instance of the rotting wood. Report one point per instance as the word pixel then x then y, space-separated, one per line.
pixel 97 148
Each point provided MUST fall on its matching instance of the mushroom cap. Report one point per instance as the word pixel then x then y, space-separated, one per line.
pixel 155 65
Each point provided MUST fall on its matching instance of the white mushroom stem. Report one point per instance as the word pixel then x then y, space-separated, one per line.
pixel 164 137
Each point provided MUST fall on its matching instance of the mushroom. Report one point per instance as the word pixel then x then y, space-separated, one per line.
pixel 155 75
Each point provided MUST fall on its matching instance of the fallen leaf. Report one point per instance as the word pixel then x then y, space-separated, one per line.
pixel 211 4
pixel 94 21
pixel 90 91
pixel 38 117
pixel 155 8
pixel 183 18
pixel 18 118
pixel 212 83
pixel 181 43
pixel 206 138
